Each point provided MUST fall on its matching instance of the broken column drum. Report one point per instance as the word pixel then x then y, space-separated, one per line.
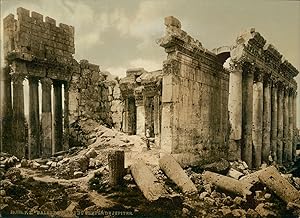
pixel 43 53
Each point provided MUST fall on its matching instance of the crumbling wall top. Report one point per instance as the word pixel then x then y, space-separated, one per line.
pixel 30 38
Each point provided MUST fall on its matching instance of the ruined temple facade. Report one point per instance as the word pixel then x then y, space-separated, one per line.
pixel 42 53
pixel 262 101
pixel 194 104
pixel 185 104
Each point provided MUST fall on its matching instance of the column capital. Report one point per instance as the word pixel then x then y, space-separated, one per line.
pixel 235 67
pixel 33 79
pixel 46 82
pixel 267 79
pixel 17 78
pixel 280 85
pixel 249 68
pixel 258 76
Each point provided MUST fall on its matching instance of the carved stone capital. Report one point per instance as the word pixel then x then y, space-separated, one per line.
pixel 248 68
pixel 258 76
pixel 46 82
pixel 17 79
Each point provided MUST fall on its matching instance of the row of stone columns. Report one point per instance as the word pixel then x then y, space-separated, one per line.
pixel 268 118
pixel 42 141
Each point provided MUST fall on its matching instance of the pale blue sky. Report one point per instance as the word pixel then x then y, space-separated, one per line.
pixel 121 34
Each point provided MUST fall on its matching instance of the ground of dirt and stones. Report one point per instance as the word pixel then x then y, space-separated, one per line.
pixel 75 183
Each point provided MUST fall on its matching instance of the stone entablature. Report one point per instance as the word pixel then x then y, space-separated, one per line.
pixel 44 48
pixel 252 47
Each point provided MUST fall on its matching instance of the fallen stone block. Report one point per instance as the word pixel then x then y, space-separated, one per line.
pixel 227 183
pixel 234 173
pixel 264 211
pixel 174 171
pixel 78 174
pixel 279 185
pixel 146 181
pixel 222 166
pixel 91 153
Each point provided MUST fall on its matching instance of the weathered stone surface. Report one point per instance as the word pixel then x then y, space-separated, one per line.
pixel 222 166
pixel 226 183
pixel 146 181
pixel 183 131
pixel 174 171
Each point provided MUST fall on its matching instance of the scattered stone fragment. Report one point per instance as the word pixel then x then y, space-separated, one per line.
pixel 234 173
pixel 251 213
pixel 24 163
pixel 44 167
pixel 35 165
pixel 263 211
pixel 203 195
pixel 222 166
pixel 238 213
pixel 78 174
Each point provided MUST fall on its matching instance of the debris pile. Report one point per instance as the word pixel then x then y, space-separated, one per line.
pixel 153 185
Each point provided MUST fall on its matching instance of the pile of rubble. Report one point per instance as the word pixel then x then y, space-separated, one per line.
pixel 152 184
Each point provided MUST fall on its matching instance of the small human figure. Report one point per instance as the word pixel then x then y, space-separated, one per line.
pixel 148 138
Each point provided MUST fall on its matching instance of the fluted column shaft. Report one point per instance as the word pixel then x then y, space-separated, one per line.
pixel 57 117
pixel 34 125
pixel 274 115
pixel 46 117
pixel 257 119
pixel 18 146
pixel 295 132
pixel 66 115
pixel 291 126
pixel 285 125
pixel 266 139
pixel 5 110
pixel 280 95
pixel 247 110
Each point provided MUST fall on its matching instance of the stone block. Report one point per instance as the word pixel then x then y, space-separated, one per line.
pixel 172 21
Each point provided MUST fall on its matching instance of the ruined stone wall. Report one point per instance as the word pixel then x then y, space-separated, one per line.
pixel 194 98
pixel 32 37
pixel 40 51
pixel 93 95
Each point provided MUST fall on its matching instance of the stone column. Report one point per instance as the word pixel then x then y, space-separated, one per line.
pixel 295 124
pixel 140 114
pixel 291 126
pixel 266 140
pixel 18 146
pixel 274 115
pixel 34 124
pixel 57 117
pixel 66 116
pixel 235 110
pixel 157 119
pixel 280 123
pixel 46 117
pixel 285 125
pixel 247 111
pixel 235 101
pixel 5 110
pixel 258 96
